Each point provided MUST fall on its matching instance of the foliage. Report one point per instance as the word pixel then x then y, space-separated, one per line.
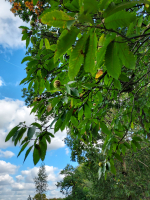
pixel 41 183
pixel 131 180
pixel 99 51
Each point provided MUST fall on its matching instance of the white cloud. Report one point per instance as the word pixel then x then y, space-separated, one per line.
pixel 6 154
pixel 7 168
pixel 24 184
pixel 10 34
pixel 13 112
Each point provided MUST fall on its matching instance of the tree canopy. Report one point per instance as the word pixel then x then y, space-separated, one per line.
pixel 88 70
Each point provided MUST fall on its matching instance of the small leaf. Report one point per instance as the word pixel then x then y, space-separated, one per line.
pixel 27 42
pixel 27 153
pixel 104 128
pixel 23 147
pixel 41 43
pixel 35 2
pixel 37 125
pixel 57 125
pixel 118 157
pixel 47 45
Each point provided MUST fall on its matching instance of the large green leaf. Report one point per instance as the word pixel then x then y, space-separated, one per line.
pixel 36 154
pixel 56 19
pixel 65 42
pixel 89 65
pixel 35 2
pixel 122 6
pixel 104 4
pixel 43 147
pixel 90 6
pixel 112 61
pixel 77 57
pixel 126 56
pixel 120 19
pixel 11 133
pixel 31 132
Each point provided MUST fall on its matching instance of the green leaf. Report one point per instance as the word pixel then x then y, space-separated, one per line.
pixel 27 153
pixel 89 65
pixel 74 121
pixel 36 86
pixel 74 92
pixel 80 113
pixel 47 45
pixel 77 57
pixel 35 2
pixel 56 19
pixel 42 86
pixel 133 146
pixel 113 169
pixel 43 147
pixel 87 111
pixel 99 173
pixel 104 4
pixel 48 138
pixel 57 125
pixel 41 43
pixel 24 37
pixel 119 19
pixel 136 138
pixel 127 58
pixel 136 144
pixel 30 85
pixel 127 145
pixel 31 132
pixel 90 6
pixel 11 133
pixel 20 134
pixel 104 128
pixel 27 42
pixel 117 84
pixel 47 85
pixel 122 6
pixel 50 134
pixel 23 27
pixel 112 61
pixel 118 157
pixel 23 147
pixel 27 58
pixel 37 125
pixel 123 149
pixel 36 154
pixel 65 42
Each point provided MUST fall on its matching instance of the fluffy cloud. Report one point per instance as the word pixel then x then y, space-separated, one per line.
pixel 20 188
pixel 13 112
pixel 6 154
pixel 67 150
pixel 7 168
pixel 10 34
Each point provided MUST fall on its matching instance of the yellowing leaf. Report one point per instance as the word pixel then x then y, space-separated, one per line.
pixel 132 125
pixel 49 107
pixel 56 19
pixel 99 73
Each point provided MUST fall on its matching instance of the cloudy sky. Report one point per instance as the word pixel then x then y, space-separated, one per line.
pixel 16 178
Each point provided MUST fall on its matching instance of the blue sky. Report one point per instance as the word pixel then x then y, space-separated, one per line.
pixel 16 178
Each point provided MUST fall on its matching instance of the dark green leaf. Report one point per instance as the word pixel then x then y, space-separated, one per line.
pixel 27 153
pixel 23 147
pixel 36 154
pixel 31 132
pixel 11 133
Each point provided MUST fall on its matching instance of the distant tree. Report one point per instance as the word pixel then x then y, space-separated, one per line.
pixel 41 183
pixel 38 196
pixel 29 198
